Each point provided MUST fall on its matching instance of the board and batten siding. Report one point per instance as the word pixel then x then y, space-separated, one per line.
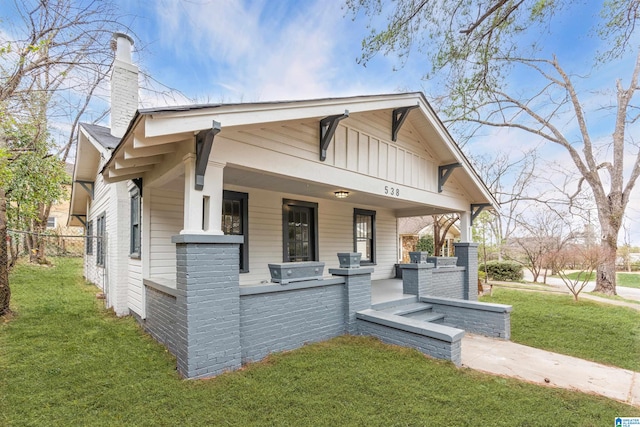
pixel 167 220
pixel 335 233
pixel 357 146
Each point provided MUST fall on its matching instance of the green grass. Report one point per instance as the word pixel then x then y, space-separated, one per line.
pixel 628 280
pixel 586 329
pixel 575 275
pixel 65 361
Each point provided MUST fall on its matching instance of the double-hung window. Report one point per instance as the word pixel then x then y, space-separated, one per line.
pixel 89 238
pixel 100 239
pixel 235 221
pixel 134 250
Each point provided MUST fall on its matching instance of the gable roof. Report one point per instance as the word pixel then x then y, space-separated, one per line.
pixel 101 135
pixel 153 128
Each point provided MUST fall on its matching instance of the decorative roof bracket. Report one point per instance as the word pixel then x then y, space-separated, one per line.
pixel 399 115
pixel 204 142
pixel 81 218
pixel 444 172
pixel 477 208
pixel 138 183
pixel 88 187
pixel 328 127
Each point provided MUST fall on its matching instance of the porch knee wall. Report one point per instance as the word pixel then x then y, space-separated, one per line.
pixel 212 325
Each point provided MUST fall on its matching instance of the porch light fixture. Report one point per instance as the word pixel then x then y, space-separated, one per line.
pixel 341 194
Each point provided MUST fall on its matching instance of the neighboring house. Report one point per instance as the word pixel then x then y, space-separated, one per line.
pixel 59 213
pixel 410 230
pixel 189 205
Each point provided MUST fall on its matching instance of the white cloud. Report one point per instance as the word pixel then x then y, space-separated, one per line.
pixel 260 50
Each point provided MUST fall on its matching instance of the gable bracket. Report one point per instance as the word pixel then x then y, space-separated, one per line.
pixel 444 172
pixel 138 183
pixel 81 218
pixel 88 187
pixel 399 115
pixel 204 142
pixel 477 208
pixel 328 127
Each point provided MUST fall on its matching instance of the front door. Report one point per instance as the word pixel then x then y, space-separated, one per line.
pixel 300 226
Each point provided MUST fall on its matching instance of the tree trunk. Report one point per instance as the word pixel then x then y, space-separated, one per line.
pixel 606 272
pixel 5 290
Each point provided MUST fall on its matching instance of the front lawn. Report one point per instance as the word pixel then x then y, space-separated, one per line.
pixel 65 361
pixel 595 331
pixel 628 280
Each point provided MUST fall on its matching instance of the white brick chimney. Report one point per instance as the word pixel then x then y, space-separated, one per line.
pixel 124 85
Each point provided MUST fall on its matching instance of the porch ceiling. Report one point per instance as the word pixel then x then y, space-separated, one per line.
pixel 259 179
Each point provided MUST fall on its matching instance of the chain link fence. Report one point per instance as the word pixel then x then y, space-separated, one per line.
pixel 26 243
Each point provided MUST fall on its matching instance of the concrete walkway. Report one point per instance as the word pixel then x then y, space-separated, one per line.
pixel 542 367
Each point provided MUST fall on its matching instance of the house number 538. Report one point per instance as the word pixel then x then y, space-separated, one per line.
pixel 391 191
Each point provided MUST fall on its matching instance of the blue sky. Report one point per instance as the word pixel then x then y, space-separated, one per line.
pixel 260 50
pixel 264 50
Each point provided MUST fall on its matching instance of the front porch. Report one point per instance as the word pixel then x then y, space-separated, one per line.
pixel 213 324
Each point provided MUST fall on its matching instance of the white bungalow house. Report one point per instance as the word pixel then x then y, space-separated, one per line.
pixel 190 204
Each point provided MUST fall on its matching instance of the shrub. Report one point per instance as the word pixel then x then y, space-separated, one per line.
pixel 509 271
pixel 425 244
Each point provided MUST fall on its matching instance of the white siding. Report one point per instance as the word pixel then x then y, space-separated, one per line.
pixel 134 276
pixel 335 229
pixel 166 221
pixel 112 201
pixel 135 285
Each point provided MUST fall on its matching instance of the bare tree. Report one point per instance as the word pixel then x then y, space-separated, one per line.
pixel 477 46
pixel 48 46
pixel 577 281
pixel 441 226
pixel 511 178
pixel 544 235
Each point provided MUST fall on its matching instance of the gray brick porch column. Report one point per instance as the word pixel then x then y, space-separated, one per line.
pixel 208 304
pixel 357 293
pixel 467 254
pixel 417 279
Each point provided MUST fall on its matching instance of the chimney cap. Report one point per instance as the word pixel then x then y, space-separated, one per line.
pixel 117 35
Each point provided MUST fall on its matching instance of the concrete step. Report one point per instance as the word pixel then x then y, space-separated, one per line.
pixel 426 316
pixel 405 309
pixel 395 303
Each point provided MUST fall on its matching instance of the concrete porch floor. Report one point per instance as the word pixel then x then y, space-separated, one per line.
pixel 385 290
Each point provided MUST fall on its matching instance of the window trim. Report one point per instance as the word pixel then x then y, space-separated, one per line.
pixel 244 207
pixel 365 212
pixel 286 203
pixel 135 220
pixel 101 228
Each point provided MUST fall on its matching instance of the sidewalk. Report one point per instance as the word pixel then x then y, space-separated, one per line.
pixel 543 367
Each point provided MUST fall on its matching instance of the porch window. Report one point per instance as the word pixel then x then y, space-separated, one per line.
pixel 235 221
pixel 134 250
pixel 364 234
pixel 299 231
pixel 100 239
pixel 89 238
